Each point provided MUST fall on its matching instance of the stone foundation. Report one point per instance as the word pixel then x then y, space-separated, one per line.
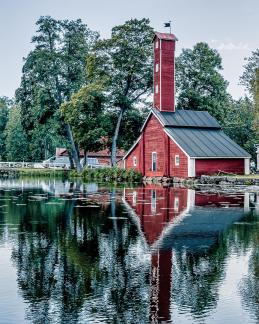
pixel 208 180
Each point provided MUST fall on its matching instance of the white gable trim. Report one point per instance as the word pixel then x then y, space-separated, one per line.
pixel 142 128
pixel 152 112
pixel 157 117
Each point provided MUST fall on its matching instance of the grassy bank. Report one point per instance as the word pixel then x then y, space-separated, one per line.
pixel 109 175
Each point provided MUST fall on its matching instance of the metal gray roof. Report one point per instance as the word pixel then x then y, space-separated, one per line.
pixel 200 142
pixel 186 118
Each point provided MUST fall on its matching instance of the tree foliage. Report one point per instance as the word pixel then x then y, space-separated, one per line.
pixel 84 112
pixel 77 90
pixel 248 78
pixel 239 124
pixel 52 72
pixel 125 60
pixel 16 141
pixel 133 120
pixel 199 84
pixel 4 110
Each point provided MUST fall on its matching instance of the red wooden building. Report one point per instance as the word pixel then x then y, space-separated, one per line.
pixel 182 143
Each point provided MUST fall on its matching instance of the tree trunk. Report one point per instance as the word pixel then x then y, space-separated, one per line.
pixel 85 158
pixel 115 138
pixel 71 161
pixel 74 151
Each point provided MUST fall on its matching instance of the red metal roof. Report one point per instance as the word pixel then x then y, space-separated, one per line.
pixel 166 36
pixel 106 152
pixel 102 153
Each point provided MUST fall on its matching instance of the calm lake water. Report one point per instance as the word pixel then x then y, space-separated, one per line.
pixel 73 253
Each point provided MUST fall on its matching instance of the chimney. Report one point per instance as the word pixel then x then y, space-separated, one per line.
pixel 164 66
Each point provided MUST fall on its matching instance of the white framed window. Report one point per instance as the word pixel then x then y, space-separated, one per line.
pixel 154 161
pixel 157 43
pixel 135 161
pixel 156 88
pixel 177 160
pixel 134 198
pixel 157 67
pixel 153 201
pixel 176 204
pixel 92 161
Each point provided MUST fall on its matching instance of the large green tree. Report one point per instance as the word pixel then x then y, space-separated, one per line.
pixel 84 112
pixel 5 104
pixel 52 72
pixel 125 60
pixel 16 140
pixel 248 78
pixel 199 83
pixel 239 124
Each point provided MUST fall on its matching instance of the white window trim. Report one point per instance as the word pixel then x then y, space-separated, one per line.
pixel 153 201
pixel 135 161
pixel 134 198
pixel 154 154
pixel 177 160
pixel 157 67
pixel 176 204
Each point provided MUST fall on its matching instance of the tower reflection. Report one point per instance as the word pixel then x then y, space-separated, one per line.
pixel 179 223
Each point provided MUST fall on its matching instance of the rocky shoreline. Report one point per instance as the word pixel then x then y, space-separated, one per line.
pixel 223 182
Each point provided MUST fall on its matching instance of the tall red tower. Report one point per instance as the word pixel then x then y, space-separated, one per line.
pixel 164 68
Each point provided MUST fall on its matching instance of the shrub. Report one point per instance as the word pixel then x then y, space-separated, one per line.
pixel 114 174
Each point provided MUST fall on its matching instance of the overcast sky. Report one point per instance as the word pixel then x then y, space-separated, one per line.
pixel 231 26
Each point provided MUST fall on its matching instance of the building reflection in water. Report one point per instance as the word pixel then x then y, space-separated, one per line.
pixel 182 227
pixel 79 258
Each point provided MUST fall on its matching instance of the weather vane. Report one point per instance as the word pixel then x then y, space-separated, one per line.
pixel 168 25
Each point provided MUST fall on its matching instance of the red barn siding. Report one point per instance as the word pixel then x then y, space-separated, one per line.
pixel 213 166
pixel 154 142
pixel 180 171
pixel 167 76
pixel 154 139
pixel 134 153
pixel 153 221
pixel 164 77
pixel 156 77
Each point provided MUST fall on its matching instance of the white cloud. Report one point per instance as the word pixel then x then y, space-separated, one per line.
pixel 230 46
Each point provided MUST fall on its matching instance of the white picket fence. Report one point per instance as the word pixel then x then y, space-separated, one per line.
pixel 32 165
pixel 45 165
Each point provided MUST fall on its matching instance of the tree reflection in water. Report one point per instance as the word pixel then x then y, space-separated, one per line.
pixel 248 240
pixel 73 266
pixel 161 250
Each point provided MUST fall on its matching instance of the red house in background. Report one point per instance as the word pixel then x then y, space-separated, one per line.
pixel 97 159
pixel 182 143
